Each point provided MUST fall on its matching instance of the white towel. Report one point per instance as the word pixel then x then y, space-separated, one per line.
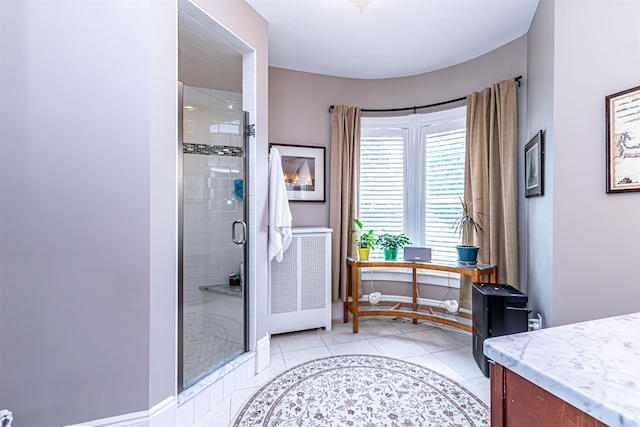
pixel 279 213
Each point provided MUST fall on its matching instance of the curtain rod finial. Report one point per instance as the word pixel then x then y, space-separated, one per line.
pixel 517 79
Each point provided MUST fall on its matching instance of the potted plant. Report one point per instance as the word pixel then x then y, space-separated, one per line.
pixel 366 242
pixel 390 244
pixel 467 223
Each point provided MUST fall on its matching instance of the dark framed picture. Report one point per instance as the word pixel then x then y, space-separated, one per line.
pixel 623 141
pixel 303 168
pixel 534 166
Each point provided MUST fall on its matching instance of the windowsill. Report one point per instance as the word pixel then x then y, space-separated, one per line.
pixel 435 278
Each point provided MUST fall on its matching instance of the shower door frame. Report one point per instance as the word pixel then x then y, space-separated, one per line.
pixel 180 252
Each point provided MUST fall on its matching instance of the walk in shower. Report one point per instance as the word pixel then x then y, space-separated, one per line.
pixel 212 235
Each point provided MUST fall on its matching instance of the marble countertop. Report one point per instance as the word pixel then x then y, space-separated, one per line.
pixel 594 366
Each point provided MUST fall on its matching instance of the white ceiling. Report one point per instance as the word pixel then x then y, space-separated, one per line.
pixel 371 39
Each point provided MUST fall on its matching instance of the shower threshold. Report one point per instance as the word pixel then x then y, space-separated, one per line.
pixel 223 289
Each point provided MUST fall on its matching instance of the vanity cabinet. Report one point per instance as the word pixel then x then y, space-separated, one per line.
pixel 517 402
pixel 580 374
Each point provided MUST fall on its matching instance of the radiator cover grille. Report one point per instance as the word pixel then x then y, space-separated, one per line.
pixel 300 285
pixel 284 281
pixel 313 282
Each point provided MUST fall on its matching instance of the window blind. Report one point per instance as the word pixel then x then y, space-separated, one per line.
pixel 382 183
pixel 411 177
pixel 444 183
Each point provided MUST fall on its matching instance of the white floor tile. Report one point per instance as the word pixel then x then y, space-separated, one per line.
pixel 355 347
pixel 434 340
pixel 462 336
pixel 274 346
pixel 431 362
pixel 460 360
pixel 447 352
pixel 239 398
pixel 374 328
pixel 300 341
pixel 398 346
pixel 480 387
pixel 276 367
pixel 340 336
pixel 337 325
pixel 406 325
pixel 293 358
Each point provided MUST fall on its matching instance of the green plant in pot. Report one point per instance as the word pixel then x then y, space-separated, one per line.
pixel 467 223
pixel 366 241
pixel 390 244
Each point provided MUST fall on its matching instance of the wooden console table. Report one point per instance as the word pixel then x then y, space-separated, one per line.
pixel 353 283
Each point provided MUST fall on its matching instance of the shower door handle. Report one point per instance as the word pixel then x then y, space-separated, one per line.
pixel 244 232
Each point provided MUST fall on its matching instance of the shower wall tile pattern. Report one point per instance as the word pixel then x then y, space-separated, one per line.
pixel 220 150
pixel 210 207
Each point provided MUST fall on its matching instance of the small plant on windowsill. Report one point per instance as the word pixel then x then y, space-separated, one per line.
pixel 467 223
pixel 366 241
pixel 390 244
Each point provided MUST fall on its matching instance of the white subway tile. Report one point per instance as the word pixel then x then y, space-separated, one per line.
pixel 229 384
pixel 216 393
pixel 185 414
pixel 201 404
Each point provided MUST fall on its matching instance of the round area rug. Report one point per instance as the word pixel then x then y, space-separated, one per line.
pixel 362 391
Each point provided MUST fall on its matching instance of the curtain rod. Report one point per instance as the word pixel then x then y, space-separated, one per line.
pixel 385 110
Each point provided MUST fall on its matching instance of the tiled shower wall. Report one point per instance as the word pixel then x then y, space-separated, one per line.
pixel 212 164
pixel 210 207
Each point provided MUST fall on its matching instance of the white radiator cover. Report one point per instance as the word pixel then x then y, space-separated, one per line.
pixel 300 285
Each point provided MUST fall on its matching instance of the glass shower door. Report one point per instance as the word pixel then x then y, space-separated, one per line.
pixel 212 308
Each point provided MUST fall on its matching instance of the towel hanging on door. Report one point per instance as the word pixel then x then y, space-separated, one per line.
pixel 279 213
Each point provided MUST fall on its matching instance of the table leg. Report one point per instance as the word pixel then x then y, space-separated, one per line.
pixel 354 296
pixel 415 293
pixel 347 287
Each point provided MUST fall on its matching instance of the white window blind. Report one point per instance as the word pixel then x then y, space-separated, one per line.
pixel 382 182
pixel 411 175
pixel 444 182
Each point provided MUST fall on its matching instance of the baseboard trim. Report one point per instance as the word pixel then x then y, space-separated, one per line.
pixel 148 418
pixel 263 354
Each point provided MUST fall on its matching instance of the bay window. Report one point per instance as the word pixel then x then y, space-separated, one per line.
pixel 411 178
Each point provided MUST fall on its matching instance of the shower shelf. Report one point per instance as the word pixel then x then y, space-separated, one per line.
pixel 223 289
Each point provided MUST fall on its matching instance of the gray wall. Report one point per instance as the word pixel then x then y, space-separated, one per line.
pixel 88 204
pixel 596 237
pixel 536 213
pixel 299 102
pixel 87 209
pixel 584 245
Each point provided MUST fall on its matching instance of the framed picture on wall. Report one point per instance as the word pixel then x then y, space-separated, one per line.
pixel 303 168
pixel 534 166
pixel 623 141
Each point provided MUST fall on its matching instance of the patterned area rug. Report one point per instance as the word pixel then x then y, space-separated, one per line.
pixel 362 391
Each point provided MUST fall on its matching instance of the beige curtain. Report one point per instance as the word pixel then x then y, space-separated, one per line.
pixel 491 178
pixel 345 177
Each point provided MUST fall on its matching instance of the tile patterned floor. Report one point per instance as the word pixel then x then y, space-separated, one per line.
pixel 213 332
pixel 442 349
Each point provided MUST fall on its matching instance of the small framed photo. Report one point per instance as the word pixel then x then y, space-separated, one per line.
pixel 534 166
pixel 623 141
pixel 303 168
